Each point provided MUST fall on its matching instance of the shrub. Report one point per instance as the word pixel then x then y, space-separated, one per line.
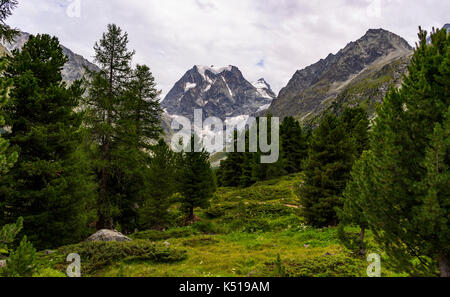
pixel 256 225
pixel 21 262
pixel 218 211
pixel 155 235
pixel 256 210
pixel 205 227
pixel 339 265
pixel 97 255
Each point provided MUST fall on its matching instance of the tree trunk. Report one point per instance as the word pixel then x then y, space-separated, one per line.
pixel 190 216
pixel 444 266
pixel 362 251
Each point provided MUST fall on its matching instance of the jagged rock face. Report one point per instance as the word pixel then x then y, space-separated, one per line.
pixel 316 87
pixel 219 92
pixel 74 68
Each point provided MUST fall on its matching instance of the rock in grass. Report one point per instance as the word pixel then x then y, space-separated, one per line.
pixel 2 263
pixel 108 235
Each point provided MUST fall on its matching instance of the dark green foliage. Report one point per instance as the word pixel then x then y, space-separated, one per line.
pixel 7 158
pixel 231 168
pixel 401 184
pixel 21 262
pixel 6 8
pixel 196 180
pixel 294 148
pixel 8 234
pixel 50 185
pixel 243 169
pixel 106 89
pixel 331 156
pixel 123 119
pixel 98 255
pixel 154 212
pixel 356 123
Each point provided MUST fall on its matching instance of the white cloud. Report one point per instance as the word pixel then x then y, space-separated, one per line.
pixel 264 38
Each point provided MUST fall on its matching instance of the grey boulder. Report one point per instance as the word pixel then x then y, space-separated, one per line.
pixel 108 235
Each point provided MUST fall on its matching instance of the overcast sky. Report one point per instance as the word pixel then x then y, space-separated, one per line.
pixel 264 38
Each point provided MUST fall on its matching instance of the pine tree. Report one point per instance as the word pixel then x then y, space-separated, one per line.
pixel 106 90
pixel 232 166
pixel 356 124
pixel 294 148
pixel 161 185
pixel 49 186
pixel 331 155
pixel 140 110
pixel 263 171
pixel 196 180
pixel 7 158
pixel 137 129
pixel 22 261
pixel 6 8
pixel 8 234
pixel 401 184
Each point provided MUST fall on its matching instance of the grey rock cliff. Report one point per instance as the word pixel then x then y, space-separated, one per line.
pixel 219 92
pixel 313 89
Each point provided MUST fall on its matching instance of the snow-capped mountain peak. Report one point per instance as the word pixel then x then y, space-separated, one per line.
pixel 221 92
pixel 264 89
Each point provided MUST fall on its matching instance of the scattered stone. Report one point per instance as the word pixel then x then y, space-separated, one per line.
pixel 108 235
pixel 306 246
pixel 166 243
pixel 2 263
pixel 49 252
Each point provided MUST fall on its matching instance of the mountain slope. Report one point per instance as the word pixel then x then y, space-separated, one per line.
pixel 374 62
pixel 74 68
pixel 220 92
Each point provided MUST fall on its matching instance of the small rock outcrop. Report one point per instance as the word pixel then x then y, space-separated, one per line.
pixel 108 235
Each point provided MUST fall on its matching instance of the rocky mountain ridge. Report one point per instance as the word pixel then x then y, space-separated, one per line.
pixel 74 68
pixel 372 63
pixel 220 92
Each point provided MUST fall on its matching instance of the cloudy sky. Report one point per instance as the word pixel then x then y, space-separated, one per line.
pixel 264 38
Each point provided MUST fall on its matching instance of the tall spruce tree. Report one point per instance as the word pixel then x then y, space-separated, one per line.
pixel 401 184
pixel 106 91
pixel 161 185
pixel 49 186
pixel 138 128
pixel 294 148
pixel 263 171
pixel 6 8
pixel 331 155
pixel 356 123
pixel 196 179
pixel 7 158
pixel 231 168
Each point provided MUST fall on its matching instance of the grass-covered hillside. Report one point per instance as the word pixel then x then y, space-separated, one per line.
pixel 258 231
